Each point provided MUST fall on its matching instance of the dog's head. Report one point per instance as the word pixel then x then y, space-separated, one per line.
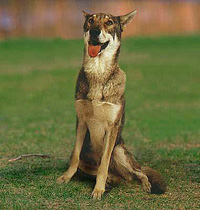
pixel 103 31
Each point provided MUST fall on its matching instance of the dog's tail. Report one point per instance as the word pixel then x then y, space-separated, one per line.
pixel 158 185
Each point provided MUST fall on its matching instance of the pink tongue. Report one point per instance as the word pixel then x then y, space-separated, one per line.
pixel 93 50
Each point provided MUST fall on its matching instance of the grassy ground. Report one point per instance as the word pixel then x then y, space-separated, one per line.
pixel 37 116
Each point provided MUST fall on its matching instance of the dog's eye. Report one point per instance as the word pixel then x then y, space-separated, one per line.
pixel 109 23
pixel 91 21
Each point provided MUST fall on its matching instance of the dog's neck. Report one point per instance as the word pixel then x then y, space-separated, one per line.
pixel 101 67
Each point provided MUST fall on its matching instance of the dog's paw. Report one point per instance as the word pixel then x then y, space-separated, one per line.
pixel 97 193
pixel 146 186
pixel 63 179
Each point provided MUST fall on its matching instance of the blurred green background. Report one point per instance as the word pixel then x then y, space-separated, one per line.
pixel 37 102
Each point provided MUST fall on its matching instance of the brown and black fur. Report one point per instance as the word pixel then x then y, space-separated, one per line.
pixel 100 106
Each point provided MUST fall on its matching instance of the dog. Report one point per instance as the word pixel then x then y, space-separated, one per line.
pixel 100 106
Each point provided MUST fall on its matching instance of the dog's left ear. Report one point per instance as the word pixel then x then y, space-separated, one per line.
pixel 86 15
pixel 125 19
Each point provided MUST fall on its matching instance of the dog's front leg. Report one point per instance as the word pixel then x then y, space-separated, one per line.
pixel 102 173
pixel 74 162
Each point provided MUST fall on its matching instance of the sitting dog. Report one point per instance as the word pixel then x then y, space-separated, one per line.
pixel 99 148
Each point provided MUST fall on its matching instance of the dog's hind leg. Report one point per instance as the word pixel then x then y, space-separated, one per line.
pixel 113 179
pixel 127 167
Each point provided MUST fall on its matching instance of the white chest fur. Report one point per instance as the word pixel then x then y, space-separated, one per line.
pixel 104 112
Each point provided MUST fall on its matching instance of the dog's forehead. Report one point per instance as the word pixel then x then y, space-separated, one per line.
pixel 102 16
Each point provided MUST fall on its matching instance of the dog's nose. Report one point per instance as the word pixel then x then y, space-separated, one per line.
pixel 95 32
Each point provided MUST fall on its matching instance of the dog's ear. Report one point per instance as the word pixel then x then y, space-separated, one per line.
pixel 86 15
pixel 125 19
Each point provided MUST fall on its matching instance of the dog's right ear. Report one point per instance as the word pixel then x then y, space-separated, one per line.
pixel 86 15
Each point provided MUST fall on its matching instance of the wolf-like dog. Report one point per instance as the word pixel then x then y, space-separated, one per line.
pixel 100 106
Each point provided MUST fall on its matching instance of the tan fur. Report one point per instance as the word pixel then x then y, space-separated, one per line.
pixel 99 149
pixel 81 130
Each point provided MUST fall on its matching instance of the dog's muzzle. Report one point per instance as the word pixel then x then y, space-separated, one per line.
pixel 94 46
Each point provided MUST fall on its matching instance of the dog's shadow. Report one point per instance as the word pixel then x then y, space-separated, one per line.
pixel 31 170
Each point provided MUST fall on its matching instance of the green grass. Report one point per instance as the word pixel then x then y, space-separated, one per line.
pixel 37 116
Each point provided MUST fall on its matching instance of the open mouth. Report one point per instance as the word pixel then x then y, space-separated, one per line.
pixel 95 47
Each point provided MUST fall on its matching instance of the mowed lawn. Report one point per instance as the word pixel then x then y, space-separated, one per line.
pixel 37 116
